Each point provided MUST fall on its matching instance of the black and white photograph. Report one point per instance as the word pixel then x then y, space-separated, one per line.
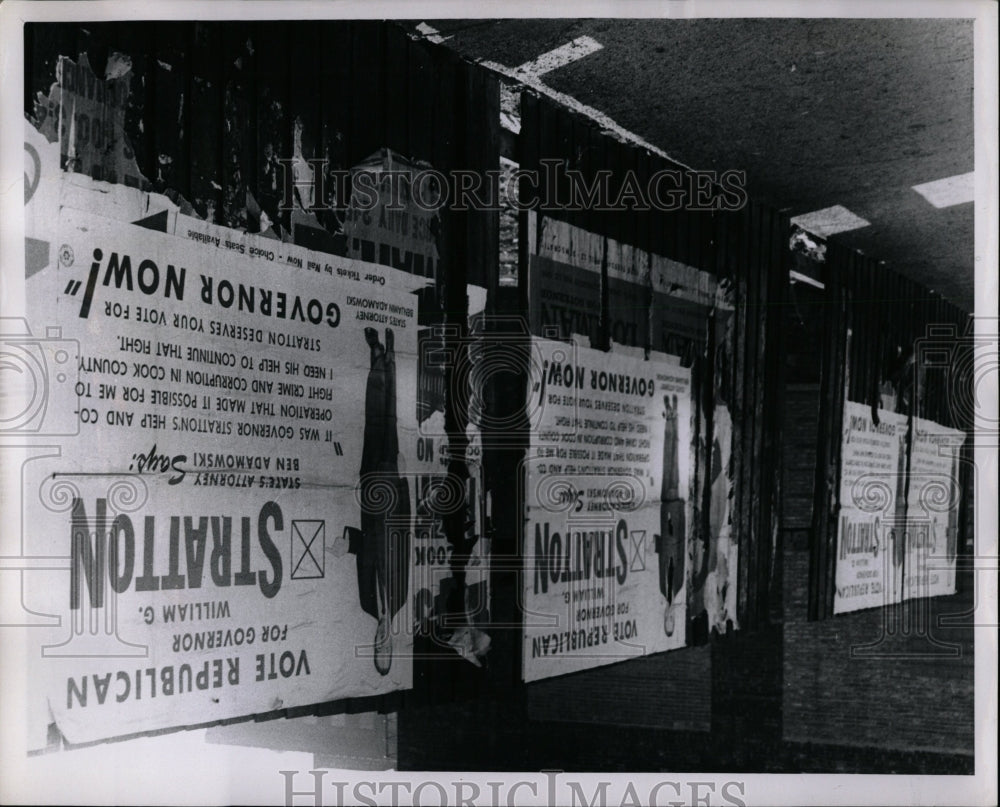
pixel 498 404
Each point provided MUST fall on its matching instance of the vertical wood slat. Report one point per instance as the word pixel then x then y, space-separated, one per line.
pixel 604 160
pixel 268 121
pixel 367 123
pixel 167 71
pixel 450 244
pixel 836 392
pixel 482 267
pixel 645 225
pixel 862 330
pixel 761 269
pixel 918 314
pixel 335 115
pixel 528 194
pixel 740 244
pixel 907 336
pixel 506 578
pixel 941 409
pixel 619 227
pixel 565 131
pixel 752 412
pixel 396 97
pixel 703 383
pixel 253 165
pixel 144 87
pixel 928 318
pixel 306 89
pixel 234 113
pixel 820 596
pixel 912 315
pixel 776 299
pixel 817 534
pixel 846 373
pixel 636 236
pixel 684 223
pixel 186 121
pixel 547 139
pixel 853 366
pixel 462 252
pixel 204 121
pixel 892 337
pixel 419 73
pixel 483 115
pixel 924 318
pixel 547 144
pixel 876 327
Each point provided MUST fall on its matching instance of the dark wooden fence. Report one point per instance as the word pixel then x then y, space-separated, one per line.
pixel 746 248
pixel 882 333
pixel 215 108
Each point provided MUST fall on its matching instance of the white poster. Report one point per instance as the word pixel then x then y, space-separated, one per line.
pixel 870 522
pixel 225 505
pixel 932 510
pixel 392 217
pixel 566 275
pixel 608 493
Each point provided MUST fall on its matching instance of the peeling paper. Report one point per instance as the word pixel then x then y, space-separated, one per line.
pixel 86 116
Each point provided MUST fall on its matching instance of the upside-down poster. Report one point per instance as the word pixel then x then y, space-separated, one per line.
pixel 933 495
pixel 222 495
pixel 607 489
pixel 870 525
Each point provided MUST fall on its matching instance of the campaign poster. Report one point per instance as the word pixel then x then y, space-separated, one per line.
pixel 392 217
pixel 607 489
pixel 225 507
pixel 682 298
pixel 564 279
pixel 932 510
pixel 628 294
pixel 871 522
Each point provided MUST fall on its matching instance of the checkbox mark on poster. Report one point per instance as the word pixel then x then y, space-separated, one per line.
pixel 638 555
pixel 308 545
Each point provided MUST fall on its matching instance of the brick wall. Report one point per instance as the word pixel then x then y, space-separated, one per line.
pixel 883 678
pixel 669 691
